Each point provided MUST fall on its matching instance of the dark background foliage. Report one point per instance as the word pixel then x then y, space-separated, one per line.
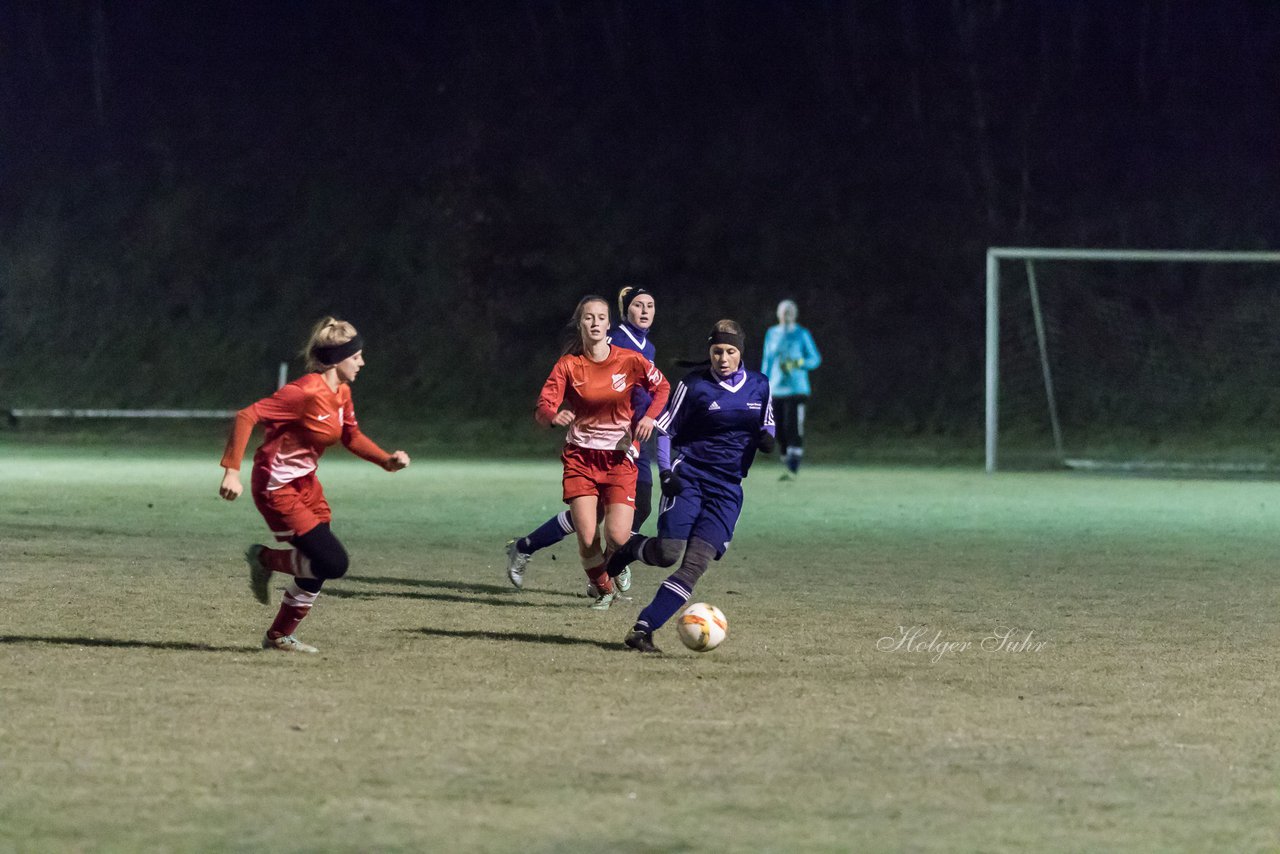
pixel 184 188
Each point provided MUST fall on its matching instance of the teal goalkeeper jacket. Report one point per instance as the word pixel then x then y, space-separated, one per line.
pixel 789 356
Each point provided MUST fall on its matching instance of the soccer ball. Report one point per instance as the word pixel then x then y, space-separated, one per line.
pixel 702 627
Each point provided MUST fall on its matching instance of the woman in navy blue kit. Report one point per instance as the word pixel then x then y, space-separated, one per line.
pixel 717 417
pixel 636 308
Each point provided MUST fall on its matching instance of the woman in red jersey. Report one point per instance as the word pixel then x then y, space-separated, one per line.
pixel 589 391
pixel 302 419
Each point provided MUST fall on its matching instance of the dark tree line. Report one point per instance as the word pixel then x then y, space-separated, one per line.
pixel 184 189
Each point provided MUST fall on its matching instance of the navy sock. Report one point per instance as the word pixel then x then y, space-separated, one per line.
pixel 671 597
pixel 548 533
pixel 644 505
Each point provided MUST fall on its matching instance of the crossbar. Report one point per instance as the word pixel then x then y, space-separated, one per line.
pixel 15 414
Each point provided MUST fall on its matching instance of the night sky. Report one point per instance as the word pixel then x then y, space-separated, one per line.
pixel 234 166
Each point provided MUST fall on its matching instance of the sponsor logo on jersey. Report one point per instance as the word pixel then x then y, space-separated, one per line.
pixel 619 382
pixel 324 417
pixel 714 407
pixel 754 405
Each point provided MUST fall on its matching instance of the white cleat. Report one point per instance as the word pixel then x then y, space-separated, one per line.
pixel 287 643
pixel 603 601
pixel 516 563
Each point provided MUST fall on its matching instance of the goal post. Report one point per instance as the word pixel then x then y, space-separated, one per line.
pixel 1029 256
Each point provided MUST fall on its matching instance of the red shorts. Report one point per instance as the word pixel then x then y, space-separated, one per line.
pixel 293 509
pixel 606 474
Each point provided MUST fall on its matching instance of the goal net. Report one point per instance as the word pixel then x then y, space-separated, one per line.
pixel 1133 359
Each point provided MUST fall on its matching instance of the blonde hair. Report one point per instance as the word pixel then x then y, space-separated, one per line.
pixel 327 332
pixel 622 300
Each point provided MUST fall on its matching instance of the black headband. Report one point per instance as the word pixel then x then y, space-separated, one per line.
pixel 628 297
pixel 735 339
pixel 335 353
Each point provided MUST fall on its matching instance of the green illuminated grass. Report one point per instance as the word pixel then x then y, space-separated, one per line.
pixel 448 712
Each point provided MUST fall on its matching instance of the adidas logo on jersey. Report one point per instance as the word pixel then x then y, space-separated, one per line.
pixel 714 407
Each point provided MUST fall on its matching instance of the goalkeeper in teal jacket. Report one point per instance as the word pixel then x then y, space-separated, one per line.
pixel 789 356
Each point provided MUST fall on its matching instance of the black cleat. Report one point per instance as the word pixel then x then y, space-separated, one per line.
pixel 641 641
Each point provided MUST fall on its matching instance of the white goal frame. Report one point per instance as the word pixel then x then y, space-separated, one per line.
pixel 17 414
pixel 1030 255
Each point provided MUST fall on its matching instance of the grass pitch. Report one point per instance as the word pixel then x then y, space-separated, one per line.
pixel 917 660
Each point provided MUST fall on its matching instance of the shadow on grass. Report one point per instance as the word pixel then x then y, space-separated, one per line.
pixel 459 586
pixel 522 637
pixel 496 601
pixel 179 646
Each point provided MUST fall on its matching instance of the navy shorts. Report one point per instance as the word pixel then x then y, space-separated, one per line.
pixel 706 509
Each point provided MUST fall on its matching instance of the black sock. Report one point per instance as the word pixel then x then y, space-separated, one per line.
pixel 629 553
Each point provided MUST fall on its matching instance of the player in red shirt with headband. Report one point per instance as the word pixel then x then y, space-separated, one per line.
pixel 589 391
pixel 302 419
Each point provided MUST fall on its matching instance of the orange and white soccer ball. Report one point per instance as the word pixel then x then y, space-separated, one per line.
pixel 702 627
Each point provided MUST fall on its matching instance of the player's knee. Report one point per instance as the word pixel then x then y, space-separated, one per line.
pixel 616 535
pixel 325 553
pixel 664 552
pixel 333 565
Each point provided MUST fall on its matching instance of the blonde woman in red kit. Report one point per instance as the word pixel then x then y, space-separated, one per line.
pixel 589 392
pixel 301 420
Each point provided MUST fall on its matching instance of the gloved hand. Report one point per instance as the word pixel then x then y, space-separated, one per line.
pixel 670 481
pixel 789 365
pixel 766 442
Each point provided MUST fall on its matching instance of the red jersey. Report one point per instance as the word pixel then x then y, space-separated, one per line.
pixel 599 393
pixel 301 419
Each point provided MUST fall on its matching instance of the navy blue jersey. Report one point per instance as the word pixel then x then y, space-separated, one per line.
pixel 714 424
pixel 629 337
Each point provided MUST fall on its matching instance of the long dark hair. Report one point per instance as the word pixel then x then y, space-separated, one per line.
pixel 573 331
